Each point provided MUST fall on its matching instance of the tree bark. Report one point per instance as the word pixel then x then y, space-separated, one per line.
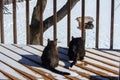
pixel 35 23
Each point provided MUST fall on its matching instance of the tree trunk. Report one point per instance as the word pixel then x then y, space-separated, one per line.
pixel 35 23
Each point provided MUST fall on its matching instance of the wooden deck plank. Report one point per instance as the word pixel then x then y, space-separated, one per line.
pixel 2 76
pixel 101 67
pixel 111 52
pixel 93 54
pixel 92 59
pixel 23 68
pixel 30 54
pixel 87 76
pixel 36 49
pixel 28 74
pixel 11 77
pixel 46 77
pixel 105 55
pixel 33 63
pixel 105 62
pixel 98 71
pixel 26 49
pixel 9 71
pixel 39 56
pixel 104 68
pixel 72 77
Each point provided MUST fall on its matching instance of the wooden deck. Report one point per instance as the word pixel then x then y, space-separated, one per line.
pixel 22 62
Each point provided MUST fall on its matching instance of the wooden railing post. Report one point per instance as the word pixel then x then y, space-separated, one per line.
pixel 1 21
pixel 112 24
pixel 14 22
pixel 27 23
pixel 97 22
pixel 41 22
pixel 83 16
pixel 68 22
pixel 55 19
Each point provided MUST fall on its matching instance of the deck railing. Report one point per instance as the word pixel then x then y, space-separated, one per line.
pixel 55 21
pixel 14 22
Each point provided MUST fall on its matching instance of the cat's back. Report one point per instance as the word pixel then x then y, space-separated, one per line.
pixel 50 54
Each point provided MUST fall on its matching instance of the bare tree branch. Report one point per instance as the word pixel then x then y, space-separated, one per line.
pixel 60 15
pixel 35 22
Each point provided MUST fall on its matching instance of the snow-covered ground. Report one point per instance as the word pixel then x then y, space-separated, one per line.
pixel 105 11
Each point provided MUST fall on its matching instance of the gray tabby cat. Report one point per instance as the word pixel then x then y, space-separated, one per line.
pixel 50 58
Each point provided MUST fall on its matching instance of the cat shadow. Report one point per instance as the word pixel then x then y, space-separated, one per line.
pixel 33 60
pixel 103 78
pixel 63 56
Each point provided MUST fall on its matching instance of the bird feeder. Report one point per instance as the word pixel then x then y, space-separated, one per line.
pixel 88 22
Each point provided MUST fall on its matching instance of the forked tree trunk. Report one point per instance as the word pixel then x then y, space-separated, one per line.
pixel 35 22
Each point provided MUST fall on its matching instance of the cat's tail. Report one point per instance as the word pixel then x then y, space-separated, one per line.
pixel 59 72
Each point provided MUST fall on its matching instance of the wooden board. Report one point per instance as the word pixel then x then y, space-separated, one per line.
pixel 21 62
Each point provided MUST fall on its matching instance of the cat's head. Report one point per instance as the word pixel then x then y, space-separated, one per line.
pixel 78 41
pixel 52 42
pixel 77 38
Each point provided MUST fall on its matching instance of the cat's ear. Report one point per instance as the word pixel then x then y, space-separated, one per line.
pixel 72 37
pixel 48 41
pixel 56 40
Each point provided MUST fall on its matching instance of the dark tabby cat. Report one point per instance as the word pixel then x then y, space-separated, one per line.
pixel 76 50
pixel 50 58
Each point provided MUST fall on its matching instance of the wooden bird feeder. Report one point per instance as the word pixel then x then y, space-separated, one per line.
pixel 88 22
